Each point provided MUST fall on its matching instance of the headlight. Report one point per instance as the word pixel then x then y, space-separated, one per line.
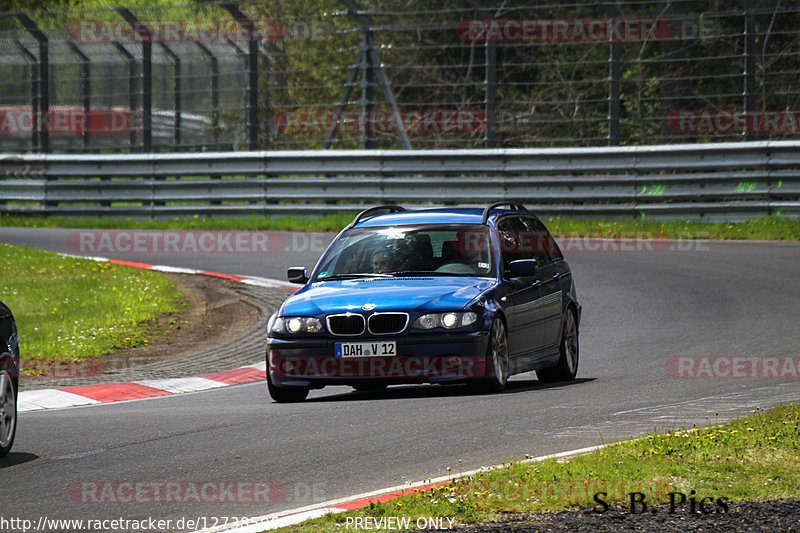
pixel 296 324
pixel 449 320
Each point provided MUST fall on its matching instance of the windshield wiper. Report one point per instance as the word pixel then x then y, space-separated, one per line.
pixel 353 276
pixel 419 273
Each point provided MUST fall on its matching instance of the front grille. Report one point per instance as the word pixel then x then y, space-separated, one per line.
pixel 347 324
pixel 386 323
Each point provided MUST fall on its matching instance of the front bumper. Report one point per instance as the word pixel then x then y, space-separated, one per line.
pixel 419 359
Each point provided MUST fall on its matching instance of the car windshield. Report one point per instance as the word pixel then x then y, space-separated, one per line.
pixel 460 250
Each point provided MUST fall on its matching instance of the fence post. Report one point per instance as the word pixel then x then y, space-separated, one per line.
pixel 252 74
pixel 614 76
pixel 40 120
pixel 34 91
pixel 176 87
pixel 373 59
pixel 490 79
pixel 132 76
pixel 214 66
pixel 146 36
pixel 367 83
pixel 749 74
pixel 490 103
pixel 348 89
pixel 85 91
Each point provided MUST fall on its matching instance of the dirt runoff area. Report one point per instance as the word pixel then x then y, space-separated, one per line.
pixel 214 313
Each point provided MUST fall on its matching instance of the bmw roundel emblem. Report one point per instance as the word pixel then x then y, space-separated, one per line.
pixel 368 307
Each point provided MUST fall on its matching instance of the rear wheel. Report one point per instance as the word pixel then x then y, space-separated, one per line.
pixel 567 366
pixel 496 358
pixel 286 394
pixel 8 412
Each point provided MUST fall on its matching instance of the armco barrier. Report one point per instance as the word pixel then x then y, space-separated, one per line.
pixel 729 181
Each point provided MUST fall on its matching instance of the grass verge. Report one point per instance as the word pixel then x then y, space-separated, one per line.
pixel 756 458
pixel 70 309
pixel 766 228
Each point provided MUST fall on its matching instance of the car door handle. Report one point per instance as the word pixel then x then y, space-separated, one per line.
pixel 536 283
pixel 556 275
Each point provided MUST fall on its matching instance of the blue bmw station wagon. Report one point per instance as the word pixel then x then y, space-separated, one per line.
pixel 447 295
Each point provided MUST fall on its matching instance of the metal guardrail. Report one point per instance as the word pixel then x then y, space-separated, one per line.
pixel 728 181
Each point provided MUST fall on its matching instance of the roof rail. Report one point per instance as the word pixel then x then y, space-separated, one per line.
pixel 511 204
pixel 364 213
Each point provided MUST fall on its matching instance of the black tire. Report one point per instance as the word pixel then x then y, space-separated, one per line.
pixel 8 412
pixel 567 367
pixel 286 394
pixel 370 387
pixel 497 358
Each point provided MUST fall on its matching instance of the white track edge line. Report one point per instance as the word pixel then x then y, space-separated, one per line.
pixel 299 514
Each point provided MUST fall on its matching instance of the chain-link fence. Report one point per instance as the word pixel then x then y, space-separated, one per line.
pixel 310 74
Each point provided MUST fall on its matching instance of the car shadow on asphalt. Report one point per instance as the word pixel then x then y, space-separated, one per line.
pixel 441 391
pixel 17 458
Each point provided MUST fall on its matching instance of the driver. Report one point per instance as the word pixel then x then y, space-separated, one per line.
pixel 471 244
pixel 381 262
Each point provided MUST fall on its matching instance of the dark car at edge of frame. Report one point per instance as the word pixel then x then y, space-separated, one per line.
pixel 444 295
pixel 9 379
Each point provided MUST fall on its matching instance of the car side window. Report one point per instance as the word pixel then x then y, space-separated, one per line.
pixel 526 238
pixel 510 232
pixel 544 242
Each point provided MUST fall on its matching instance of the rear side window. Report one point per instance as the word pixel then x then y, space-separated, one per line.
pixel 526 238
pixel 548 243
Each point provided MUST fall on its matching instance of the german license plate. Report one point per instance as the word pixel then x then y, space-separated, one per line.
pixel 366 349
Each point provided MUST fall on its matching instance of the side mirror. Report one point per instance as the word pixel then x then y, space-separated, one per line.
pixel 522 268
pixel 297 275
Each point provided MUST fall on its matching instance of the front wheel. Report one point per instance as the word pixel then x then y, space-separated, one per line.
pixel 8 412
pixel 286 394
pixel 567 366
pixel 496 358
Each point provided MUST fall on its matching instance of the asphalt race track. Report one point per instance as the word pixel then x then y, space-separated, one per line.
pixel 641 308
